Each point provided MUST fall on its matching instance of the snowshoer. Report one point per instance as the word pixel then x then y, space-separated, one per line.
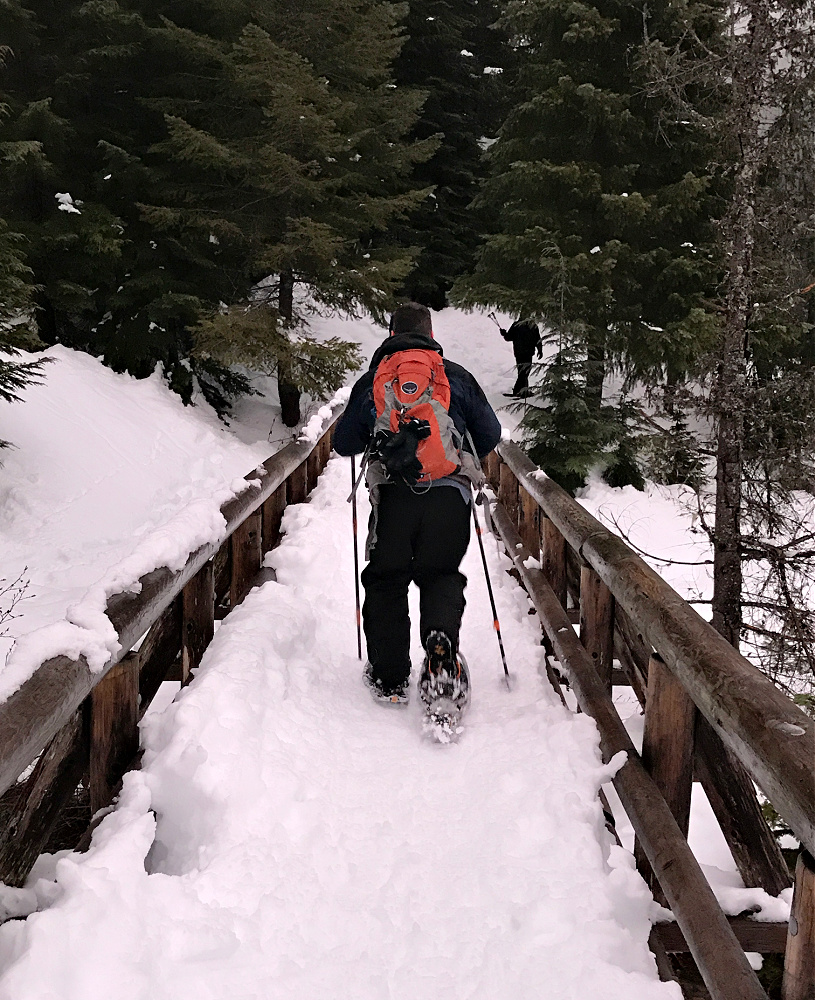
pixel 525 338
pixel 420 521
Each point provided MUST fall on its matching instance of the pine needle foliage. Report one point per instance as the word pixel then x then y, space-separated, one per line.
pixel 603 204
pixel 209 147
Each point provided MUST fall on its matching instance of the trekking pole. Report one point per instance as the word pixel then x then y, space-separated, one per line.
pixel 355 479
pixel 495 623
pixel 491 315
pixel 353 499
pixel 480 498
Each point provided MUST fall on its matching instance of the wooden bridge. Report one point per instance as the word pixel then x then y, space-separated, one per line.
pixel 68 735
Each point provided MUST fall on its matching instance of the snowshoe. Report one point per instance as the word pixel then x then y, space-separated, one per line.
pixel 397 695
pixel 444 688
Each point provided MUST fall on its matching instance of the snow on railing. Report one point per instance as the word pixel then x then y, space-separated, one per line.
pixel 77 689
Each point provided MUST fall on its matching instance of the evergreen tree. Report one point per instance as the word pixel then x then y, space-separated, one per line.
pixel 604 207
pixel 757 390
pixel 15 304
pixel 218 154
pixel 16 289
pixel 566 437
pixel 457 54
pixel 71 245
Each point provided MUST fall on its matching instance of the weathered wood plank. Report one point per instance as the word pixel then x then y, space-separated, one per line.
pixel 799 964
pixel 312 469
pixel 30 811
pixel 630 670
pixel 246 557
pixel 159 651
pixel 667 747
pixel 222 573
pixel 771 736
pixel 298 484
pixel 508 492
pixel 764 937
pixel 273 510
pixel 712 942
pixel 491 465
pixel 529 527
pixel 325 449
pixel 114 728
pixel 597 623
pixel 553 558
pixel 733 798
pixel 198 619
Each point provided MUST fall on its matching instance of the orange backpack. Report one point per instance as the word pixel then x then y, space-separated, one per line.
pixel 413 385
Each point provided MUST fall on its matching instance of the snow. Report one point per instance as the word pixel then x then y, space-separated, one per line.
pixel 65 203
pixel 109 478
pixel 286 836
pixel 308 842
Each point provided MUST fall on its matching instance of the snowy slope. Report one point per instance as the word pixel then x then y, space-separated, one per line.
pixel 312 844
pixel 102 465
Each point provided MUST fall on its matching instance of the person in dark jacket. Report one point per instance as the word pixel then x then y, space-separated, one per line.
pixel 417 534
pixel 525 338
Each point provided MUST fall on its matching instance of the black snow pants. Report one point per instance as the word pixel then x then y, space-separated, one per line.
pixel 523 359
pixel 421 537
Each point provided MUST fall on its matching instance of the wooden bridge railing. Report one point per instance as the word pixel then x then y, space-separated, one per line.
pixel 709 714
pixel 79 728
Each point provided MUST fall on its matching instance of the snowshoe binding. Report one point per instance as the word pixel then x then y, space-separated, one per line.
pixel 396 695
pixel 444 688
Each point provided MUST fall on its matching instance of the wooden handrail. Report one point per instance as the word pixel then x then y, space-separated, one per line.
pixel 771 736
pixel 31 716
pixel 710 938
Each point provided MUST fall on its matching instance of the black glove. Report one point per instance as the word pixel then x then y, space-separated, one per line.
pixel 397 449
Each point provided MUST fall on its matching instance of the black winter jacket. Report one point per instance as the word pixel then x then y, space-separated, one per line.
pixel 469 407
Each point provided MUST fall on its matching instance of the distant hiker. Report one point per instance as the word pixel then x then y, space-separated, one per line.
pixel 526 340
pixel 415 414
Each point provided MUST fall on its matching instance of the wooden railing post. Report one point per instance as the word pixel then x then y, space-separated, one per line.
pixel 530 523
pixel 114 732
pixel 799 963
pixel 312 469
pixel 491 465
pixel 246 557
pixel 597 622
pixel 198 621
pixel 508 491
pixel 324 449
pixel 553 558
pixel 667 746
pixel 30 811
pixel 298 484
pixel 272 516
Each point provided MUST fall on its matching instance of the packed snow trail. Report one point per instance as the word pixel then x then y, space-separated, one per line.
pixel 309 843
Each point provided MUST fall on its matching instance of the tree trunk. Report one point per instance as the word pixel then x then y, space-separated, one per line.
pixel 595 375
pixel 287 390
pixel 727 574
pixel 738 229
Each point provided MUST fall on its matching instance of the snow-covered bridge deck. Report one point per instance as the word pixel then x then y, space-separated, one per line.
pixel 287 837
pixel 309 843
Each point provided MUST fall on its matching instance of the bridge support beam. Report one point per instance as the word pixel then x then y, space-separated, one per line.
pixel 597 623
pixel 799 965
